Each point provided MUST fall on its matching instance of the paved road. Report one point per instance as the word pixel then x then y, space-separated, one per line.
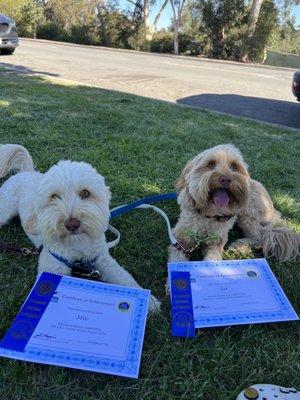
pixel 262 93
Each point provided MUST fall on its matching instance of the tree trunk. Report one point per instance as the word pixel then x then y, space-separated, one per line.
pixel 176 21
pixel 176 39
pixel 218 43
pixel 34 31
pixel 146 7
pixel 255 10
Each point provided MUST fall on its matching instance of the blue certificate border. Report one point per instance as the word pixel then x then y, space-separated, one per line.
pixel 285 310
pixel 129 366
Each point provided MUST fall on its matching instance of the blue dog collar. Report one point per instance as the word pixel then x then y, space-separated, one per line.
pixel 80 268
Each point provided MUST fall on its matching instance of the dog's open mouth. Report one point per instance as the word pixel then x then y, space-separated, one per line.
pixel 220 197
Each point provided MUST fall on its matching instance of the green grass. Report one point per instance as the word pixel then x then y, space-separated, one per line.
pixel 140 146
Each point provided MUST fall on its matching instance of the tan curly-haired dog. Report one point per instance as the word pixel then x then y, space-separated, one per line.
pixel 215 192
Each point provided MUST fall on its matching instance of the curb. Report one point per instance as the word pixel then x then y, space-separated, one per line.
pixel 172 56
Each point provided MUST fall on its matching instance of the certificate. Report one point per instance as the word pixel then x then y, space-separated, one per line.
pixel 81 324
pixel 234 292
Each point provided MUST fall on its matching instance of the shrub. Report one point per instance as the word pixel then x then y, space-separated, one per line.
pixel 80 34
pixel 140 40
pixel 50 31
pixel 162 42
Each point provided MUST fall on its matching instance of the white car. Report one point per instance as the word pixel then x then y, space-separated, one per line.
pixel 8 35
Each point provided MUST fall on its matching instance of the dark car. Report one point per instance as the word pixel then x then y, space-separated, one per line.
pixel 8 35
pixel 296 85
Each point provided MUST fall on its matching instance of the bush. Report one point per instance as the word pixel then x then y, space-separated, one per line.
pixel 139 41
pixel 233 42
pixel 50 31
pixel 162 42
pixel 80 34
pixel 114 30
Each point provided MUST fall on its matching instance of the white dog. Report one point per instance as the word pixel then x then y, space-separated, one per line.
pixel 66 210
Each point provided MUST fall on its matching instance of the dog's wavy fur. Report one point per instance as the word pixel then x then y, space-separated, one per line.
pixel 46 203
pixel 250 207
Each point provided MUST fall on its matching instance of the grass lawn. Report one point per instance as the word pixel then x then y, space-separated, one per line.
pixel 140 146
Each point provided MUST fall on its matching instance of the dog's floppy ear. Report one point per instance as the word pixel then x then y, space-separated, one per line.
pixel 184 196
pixel 182 180
pixel 31 226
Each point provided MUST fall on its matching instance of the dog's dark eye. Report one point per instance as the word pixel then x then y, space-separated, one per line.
pixel 211 164
pixel 233 166
pixel 55 196
pixel 84 194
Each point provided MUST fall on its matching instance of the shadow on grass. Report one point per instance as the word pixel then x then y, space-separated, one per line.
pixel 140 144
pixel 274 111
pixel 157 138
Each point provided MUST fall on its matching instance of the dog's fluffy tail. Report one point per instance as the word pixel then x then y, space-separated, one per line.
pixel 281 243
pixel 14 157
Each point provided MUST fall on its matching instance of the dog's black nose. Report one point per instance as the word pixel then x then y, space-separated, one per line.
pixel 72 224
pixel 224 181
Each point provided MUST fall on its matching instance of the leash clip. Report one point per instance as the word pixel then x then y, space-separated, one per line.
pixel 184 251
pixel 95 274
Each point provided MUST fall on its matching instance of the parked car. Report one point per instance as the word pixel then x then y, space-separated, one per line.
pixel 8 35
pixel 296 85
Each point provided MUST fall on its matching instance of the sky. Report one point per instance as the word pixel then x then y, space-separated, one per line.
pixel 165 18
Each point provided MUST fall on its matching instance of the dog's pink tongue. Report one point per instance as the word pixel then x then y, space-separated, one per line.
pixel 221 198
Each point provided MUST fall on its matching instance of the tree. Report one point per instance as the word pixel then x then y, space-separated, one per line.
pixel 142 30
pixel 266 25
pixel 254 14
pixel 26 13
pixel 11 8
pixel 287 20
pixel 219 18
pixel 141 10
pixel 177 7
pixel 31 15
pixel 67 13
pixel 113 26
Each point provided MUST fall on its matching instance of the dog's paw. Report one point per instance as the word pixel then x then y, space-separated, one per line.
pixel 240 248
pixel 154 305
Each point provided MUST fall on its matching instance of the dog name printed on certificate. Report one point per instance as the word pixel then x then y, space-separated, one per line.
pixel 76 323
pixel 233 292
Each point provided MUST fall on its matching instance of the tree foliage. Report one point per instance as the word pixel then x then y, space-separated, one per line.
pixel 220 19
pixel 267 24
pixel 289 36
pixel 226 29
pixel 31 14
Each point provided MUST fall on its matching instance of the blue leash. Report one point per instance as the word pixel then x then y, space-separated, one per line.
pixel 146 202
pixel 117 211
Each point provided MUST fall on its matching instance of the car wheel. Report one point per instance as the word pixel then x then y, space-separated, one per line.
pixel 7 51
